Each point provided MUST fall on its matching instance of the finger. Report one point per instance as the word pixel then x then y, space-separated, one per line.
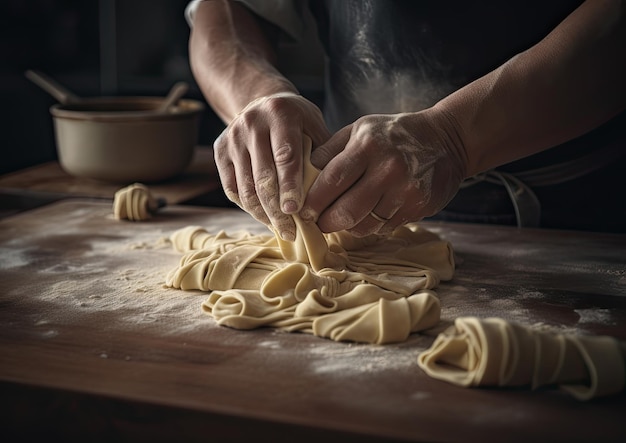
pixel 342 172
pixel 383 218
pixel 266 188
pixel 354 206
pixel 226 169
pixel 287 151
pixel 324 153
pixel 233 163
pixel 316 128
pixel 229 183
pixel 246 191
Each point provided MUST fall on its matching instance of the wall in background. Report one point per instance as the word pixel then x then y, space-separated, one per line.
pixel 102 47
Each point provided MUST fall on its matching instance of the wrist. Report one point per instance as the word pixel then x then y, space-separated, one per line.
pixel 449 131
pixel 264 98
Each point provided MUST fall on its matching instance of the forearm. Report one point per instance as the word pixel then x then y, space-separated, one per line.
pixel 231 58
pixel 569 83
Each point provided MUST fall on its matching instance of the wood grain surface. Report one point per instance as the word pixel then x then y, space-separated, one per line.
pixel 93 347
pixel 198 179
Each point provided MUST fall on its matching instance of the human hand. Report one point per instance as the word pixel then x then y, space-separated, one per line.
pixel 383 171
pixel 259 157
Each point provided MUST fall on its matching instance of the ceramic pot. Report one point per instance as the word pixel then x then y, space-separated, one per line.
pixel 125 139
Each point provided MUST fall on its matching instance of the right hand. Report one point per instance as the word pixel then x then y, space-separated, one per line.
pixel 385 170
pixel 259 157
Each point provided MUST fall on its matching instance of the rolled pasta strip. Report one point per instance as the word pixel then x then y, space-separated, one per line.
pixel 134 202
pixel 495 352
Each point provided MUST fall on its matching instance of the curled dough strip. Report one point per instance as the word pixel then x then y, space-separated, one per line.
pixel 494 352
pixel 134 202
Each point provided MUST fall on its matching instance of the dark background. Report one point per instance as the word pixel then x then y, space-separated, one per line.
pixel 99 47
pixel 92 47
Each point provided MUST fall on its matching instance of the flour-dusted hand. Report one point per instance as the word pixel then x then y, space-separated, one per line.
pixel 383 171
pixel 259 157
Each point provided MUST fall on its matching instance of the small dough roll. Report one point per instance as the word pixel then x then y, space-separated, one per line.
pixel 495 352
pixel 134 202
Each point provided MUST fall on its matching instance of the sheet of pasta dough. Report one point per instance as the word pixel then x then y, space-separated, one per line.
pixel 374 289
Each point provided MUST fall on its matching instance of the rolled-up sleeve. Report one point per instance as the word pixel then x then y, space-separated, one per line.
pixel 288 15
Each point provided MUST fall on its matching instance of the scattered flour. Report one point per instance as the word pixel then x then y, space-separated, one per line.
pixel 595 315
pixel 349 359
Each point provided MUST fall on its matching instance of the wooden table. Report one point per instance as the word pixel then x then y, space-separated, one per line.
pixel 93 347
pixel 198 179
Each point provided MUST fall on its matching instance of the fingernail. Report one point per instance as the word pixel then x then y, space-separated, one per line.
pixel 308 214
pixel 290 206
pixel 288 236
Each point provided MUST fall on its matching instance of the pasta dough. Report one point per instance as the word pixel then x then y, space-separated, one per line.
pixel 134 202
pixel 494 352
pixel 380 294
pixel 374 289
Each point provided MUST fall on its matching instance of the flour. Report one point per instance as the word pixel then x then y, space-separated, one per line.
pixel 271 344
pixel 161 243
pixel 137 242
pixel 11 258
pixel 138 304
pixel 85 267
pixel 595 315
pixel 50 333
pixel 361 360
pixel 348 359
pixel 328 358
pixel 421 395
pixel 105 284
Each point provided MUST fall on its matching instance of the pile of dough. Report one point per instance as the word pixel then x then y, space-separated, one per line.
pixel 375 289
pixel 378 292
pixel 134 202
pixel 494 352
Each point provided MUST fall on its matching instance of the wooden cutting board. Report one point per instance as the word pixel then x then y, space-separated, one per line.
pixel 85 314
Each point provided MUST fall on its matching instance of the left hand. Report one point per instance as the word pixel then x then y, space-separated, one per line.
pixel 383 171
pixel 259 157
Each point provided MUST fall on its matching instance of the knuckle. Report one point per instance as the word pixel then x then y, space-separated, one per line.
pixel 221 141
pixel 276 105
pixel 264 179
pixel 245 121
pixel 343 217
pixel 232 195
pixel 253 206
pixel 334 176
pixel 290 187
pixel 284 154
pixel 229 145
pixel 248 202
pixel 396 164
pixel 267 191
pixel 222 157
pixel 248 196
pixel 220 147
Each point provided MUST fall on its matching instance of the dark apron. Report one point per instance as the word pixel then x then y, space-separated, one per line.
pixel 386 56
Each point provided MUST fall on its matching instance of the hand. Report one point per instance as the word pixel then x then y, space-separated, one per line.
pixel 384 171
pixel 259 157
